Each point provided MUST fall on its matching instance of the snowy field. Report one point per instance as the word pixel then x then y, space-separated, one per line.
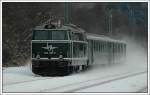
pixel 21 79
pixel 125 77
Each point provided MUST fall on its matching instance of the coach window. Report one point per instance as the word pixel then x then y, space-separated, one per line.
pixel 120 48
pixel 101 47
pixel 104 46
pixel 98 46
pixel 115 48
pixel 94 45
pixel 123 48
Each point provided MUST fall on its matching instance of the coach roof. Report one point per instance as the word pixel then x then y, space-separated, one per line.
pixel 102 38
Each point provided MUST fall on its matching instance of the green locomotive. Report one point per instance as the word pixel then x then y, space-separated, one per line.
pixel 64 49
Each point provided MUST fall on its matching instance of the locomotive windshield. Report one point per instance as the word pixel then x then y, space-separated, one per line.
pixel 50 35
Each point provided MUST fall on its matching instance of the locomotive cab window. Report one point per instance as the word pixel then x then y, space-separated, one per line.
pixel 50 35
pixel 40 35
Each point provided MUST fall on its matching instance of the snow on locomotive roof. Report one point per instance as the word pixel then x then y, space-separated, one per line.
pixel 102 38
pixel 71 27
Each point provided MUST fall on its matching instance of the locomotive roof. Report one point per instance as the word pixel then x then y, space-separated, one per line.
pixel 75 28
pixel 102 38
pixel 71 27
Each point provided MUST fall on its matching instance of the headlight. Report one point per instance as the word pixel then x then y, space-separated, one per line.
pixel 60 56
pixel 38 56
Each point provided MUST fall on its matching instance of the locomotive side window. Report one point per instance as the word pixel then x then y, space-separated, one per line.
pixel 79 50
pixel 78 36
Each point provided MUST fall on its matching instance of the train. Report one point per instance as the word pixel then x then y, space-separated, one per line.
pixel 59 50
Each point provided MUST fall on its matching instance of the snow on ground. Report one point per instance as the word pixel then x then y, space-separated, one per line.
pixel 130 84
pixel 49 85
pixel 136 62
pixel 18 74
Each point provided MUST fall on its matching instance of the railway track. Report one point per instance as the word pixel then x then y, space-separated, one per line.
pixel 144 89
pixel 26 81
pixel 91 83
pixel 62 86
pixel 107 81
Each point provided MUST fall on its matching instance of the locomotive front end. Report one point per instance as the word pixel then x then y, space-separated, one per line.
pixel 51 51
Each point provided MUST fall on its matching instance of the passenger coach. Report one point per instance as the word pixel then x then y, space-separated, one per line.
pixel 104 50
pixel 61 50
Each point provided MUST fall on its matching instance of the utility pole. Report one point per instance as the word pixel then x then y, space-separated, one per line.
pixel 131 19
pixel 110 22
pixel 109 17
pixel 66 12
